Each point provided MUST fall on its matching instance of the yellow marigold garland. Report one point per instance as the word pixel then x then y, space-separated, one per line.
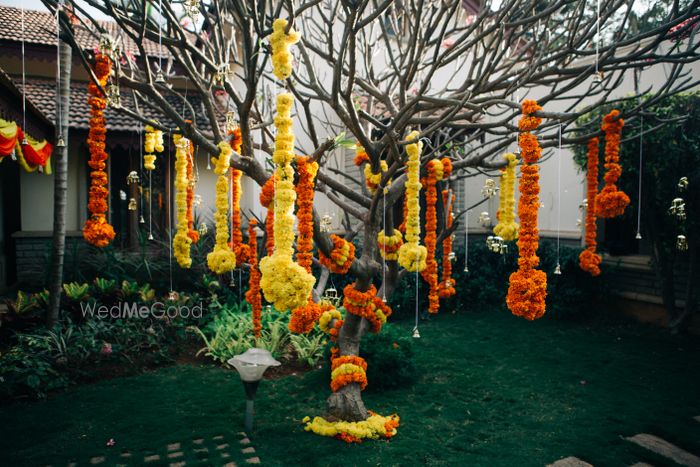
pixel 412 255
pixel 182 240
pixel 327 317
pixel 280 42
pixel 286 284
pixel 389 245
pixel 222 259
pixel 507 228
pixel 375 427
pixel 152 142
pixel 528 286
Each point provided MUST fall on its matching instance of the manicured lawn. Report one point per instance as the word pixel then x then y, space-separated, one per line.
pixel 492 390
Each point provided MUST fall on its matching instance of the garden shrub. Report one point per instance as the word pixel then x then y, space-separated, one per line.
pixel 389 357
pixel 484 288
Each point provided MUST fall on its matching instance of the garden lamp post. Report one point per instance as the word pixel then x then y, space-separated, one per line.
pixel 251 365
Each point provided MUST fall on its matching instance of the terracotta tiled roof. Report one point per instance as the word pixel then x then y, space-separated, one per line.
pixel 40 28
pixel 42 94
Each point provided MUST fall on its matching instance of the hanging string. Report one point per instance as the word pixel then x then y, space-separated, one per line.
pixel 150 205
pixel 160 37
pixel 59 104
pixel 170 220
pixel 639 188
pixel 384 255
pixel 557 269
pixel 141 220
pixel 24 84
pixel 232 282
pixel 416 333
pixel 597 35
pixel 466 239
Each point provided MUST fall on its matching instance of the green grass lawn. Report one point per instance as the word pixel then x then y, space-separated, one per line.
pixel 492 390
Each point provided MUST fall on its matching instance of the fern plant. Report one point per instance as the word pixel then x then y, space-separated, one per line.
pixel 308 348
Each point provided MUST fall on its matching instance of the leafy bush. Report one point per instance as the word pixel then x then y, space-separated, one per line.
pixel 485 286
pixel 23 372
pixel 389 356
pixel 308 348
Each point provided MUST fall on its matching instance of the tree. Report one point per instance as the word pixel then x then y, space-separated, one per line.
pixel 60 180
pixel 376 69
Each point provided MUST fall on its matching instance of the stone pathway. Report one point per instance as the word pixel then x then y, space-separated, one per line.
pixel 227 451
pixel 666 449
pixel 649 442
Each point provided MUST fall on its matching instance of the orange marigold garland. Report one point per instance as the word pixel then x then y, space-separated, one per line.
pixel 236 242
pixel 267 196
pixel 430 273
pixel 348 369
pixel 253 295
pixel 304 317
pixel 528 286
pixel 588 259
pixel 191 182
pixel 237 245
pixel 611 202
pixel 342 256
pixel 97 230
pixel 366 305
pixel 446 287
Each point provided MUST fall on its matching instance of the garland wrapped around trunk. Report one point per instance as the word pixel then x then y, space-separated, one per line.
pixel 528 286
pixel 588 259
pixel 97 230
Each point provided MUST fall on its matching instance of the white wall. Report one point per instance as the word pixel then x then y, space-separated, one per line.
pixel 36 198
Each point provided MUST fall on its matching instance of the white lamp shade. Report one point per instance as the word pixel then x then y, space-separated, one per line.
pixel 252 363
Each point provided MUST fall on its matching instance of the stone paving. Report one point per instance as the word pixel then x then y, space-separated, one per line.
pixel 220 451
pixel 650 442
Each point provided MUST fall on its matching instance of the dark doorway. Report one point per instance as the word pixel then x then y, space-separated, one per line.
pixel 10 220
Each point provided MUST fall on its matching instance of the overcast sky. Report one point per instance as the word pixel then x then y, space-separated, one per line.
pixel 37 5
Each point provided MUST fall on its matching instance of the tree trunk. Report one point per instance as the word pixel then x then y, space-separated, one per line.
pixel 346 404
pixel 60 180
